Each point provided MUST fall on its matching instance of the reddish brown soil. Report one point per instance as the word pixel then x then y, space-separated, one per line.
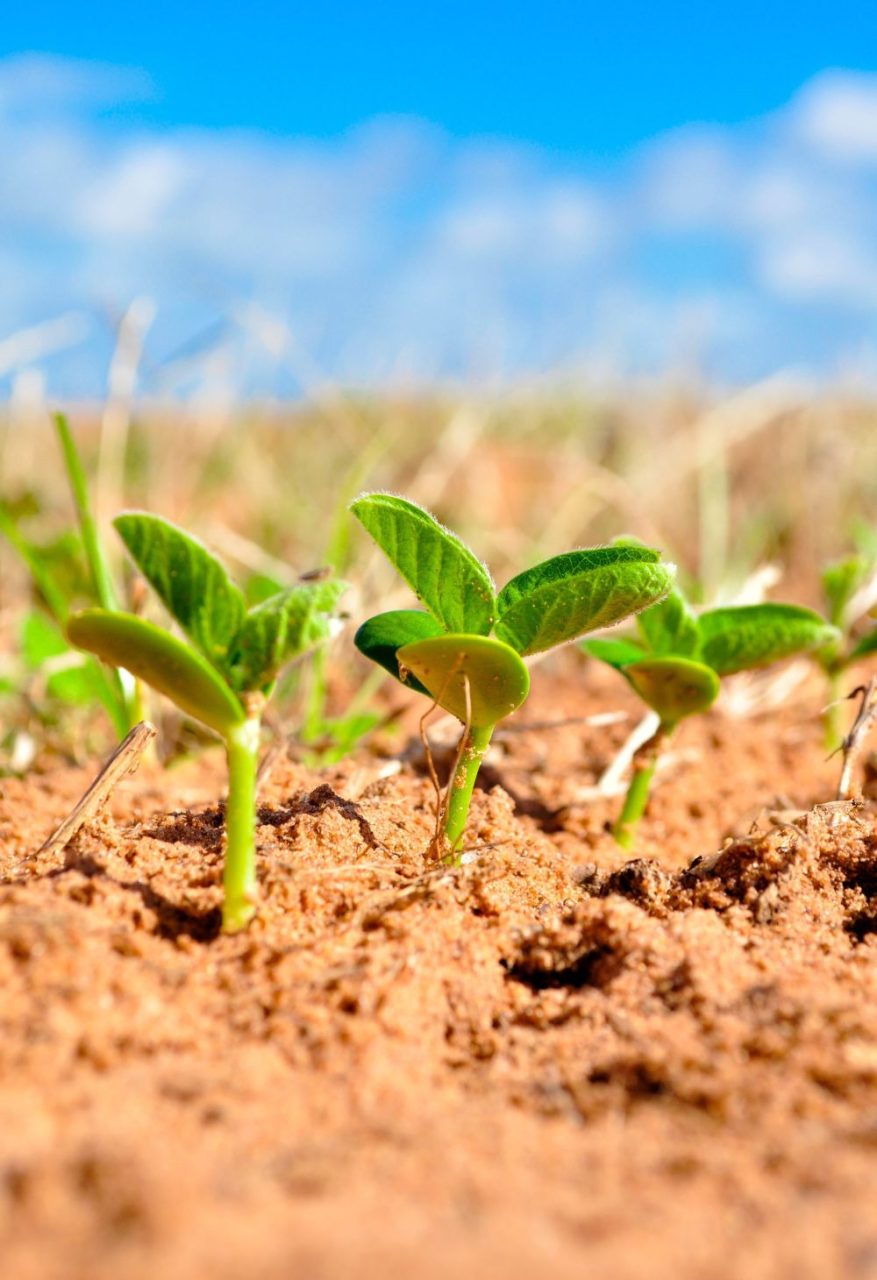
pixel 544 1063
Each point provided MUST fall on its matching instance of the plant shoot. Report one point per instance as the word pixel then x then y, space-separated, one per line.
pixel 465 649
pixel 222 674
pixel 676 662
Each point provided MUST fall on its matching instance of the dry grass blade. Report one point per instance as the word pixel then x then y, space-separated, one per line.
pixel 124 760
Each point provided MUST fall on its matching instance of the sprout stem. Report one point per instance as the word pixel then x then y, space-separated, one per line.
pixel 239 878
pixel 833 715
pixel 637 798
pixel 462 784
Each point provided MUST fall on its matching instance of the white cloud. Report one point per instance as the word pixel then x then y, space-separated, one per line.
pixel 397 248
pixel 132 198
pixel 836 113
pixel 38 84
pixel 821 264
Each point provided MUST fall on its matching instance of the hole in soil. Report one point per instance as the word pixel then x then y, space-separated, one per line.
pixel 204 829
pixel 862 925
pixel 174 921
pixel 548 820
pixel 580 973
pixel 863 875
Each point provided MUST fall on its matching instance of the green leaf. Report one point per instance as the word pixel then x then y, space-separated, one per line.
pixel 381 637
pixel 866 646
pixel 41 639
pixel 77 686
pixel 740 637
pixel 498 680
pixel 448 579
pixel 192 583
pixel 345 734
pixel 281 628
pixel 617 652
pixel 670 627
pixel 101 578
pixel 673 687
pixel 260 587
pixel 840 582
pixel 35 562
pixel 579 591
pixel 163 661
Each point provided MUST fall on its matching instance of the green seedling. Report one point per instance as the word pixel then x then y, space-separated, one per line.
pixel 74 566
pixel 677 660
pixel 843 585
pixel 465 649
pixel 226 672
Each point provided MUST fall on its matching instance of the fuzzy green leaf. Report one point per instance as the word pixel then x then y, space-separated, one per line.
pixel 280 629
pixel 192 584
pixel 840 582
pixel 447 578
pixel 381 637
pixel 670 627
pixel 673 687
pixel 78 686
pixel 41 639
pixel 579 591
pixel 741 637
pixel 163 661
pixel 498 680
pixel 617 652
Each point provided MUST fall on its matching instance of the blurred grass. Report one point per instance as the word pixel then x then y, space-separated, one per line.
pixel 520 477
pixel 722 487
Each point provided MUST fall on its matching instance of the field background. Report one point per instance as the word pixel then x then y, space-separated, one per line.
pixel 752 492
pixel 558 273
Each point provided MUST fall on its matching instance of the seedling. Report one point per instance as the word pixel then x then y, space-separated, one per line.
pixel 466 650
pixel 848 590
pixel 223 676
pixel 56 573
pixel 677 660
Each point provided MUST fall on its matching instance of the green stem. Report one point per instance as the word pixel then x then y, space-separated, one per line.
pixel 637 798
pixel 462 784
pixel 239 879
pixel 833 717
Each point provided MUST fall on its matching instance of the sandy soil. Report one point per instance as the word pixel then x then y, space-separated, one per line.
pixel 549 1061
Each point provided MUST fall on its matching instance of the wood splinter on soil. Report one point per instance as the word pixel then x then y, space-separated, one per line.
pixel 124 760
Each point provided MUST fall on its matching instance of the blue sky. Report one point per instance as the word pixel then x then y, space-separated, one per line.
pixel 578 77
pixel 386 193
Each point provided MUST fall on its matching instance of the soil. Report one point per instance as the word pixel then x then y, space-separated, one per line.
pixel 551 1061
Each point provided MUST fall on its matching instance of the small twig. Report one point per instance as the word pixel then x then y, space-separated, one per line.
pixel 433 774
pixel 124 759
pixel 855 739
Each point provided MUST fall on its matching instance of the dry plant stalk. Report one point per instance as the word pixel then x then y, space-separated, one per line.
pixel 124 760
pixel 855 739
